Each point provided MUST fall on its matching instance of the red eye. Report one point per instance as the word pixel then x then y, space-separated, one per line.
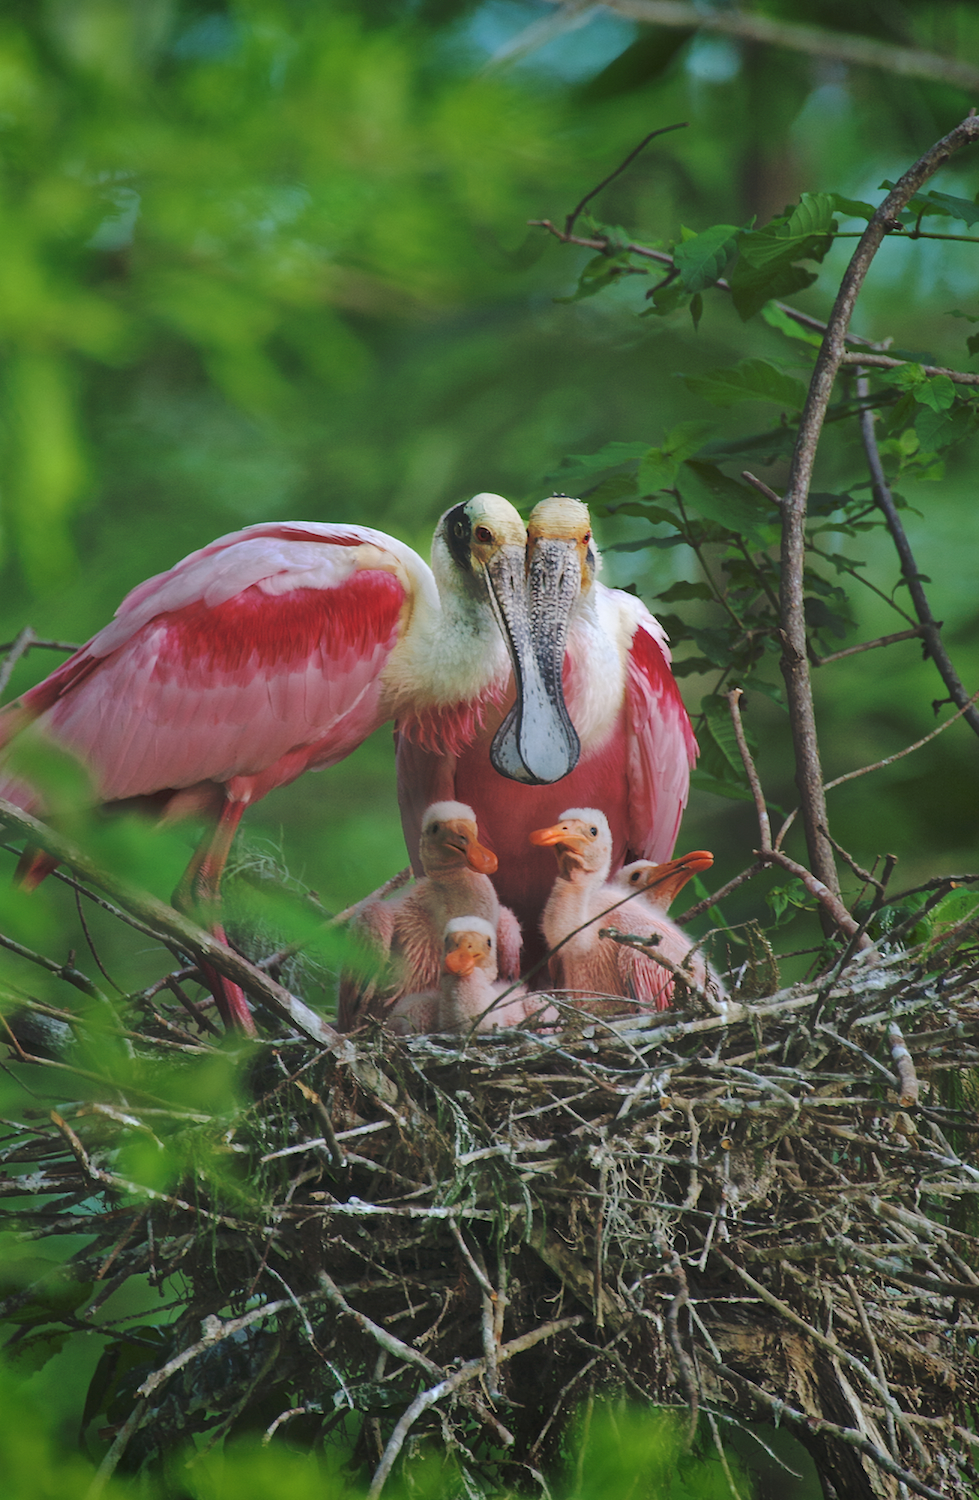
pixel 483 534
pixel 586 537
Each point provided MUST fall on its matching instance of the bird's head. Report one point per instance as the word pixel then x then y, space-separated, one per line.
pixel 661 884
pixel 450 840
pixel 479 552
pixel 581 839
pixel 561 556
pixel 470 943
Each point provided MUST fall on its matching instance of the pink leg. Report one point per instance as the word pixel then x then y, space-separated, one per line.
pixel 201 888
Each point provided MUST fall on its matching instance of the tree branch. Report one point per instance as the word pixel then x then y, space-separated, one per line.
pixel 749 26
pixel 887 362
pixel 930 628
pixel 795 662
pixel 164 919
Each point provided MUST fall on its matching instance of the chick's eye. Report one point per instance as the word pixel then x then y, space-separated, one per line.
pixel 593 832
pixel 586 537
pixel 433 827
pixel 483 534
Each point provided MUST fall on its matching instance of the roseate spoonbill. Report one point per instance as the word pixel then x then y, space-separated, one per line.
pixel 582 842
pixel 467 989
pixel 278 649
pixel 410 927
pixel 656 887
pixel 636 743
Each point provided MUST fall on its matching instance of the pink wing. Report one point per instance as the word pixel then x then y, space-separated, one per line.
pixel 257 658
pixel 662 748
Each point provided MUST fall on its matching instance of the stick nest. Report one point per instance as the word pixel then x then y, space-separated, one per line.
pixel 768 1215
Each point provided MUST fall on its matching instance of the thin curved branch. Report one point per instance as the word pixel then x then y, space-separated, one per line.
pixel 795 661
pixel 930 628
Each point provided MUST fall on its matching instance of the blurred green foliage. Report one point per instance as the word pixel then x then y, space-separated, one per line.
pixel 269 258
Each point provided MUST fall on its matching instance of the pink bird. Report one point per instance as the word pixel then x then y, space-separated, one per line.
pixel 468 989
pixel 623 709
pixel 277 650
pixel 579 906
pixel 410 927
pixel 655 888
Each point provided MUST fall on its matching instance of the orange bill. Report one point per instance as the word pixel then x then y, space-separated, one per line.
pixel 481 859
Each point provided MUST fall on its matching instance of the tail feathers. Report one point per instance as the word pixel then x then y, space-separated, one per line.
pixel 33 867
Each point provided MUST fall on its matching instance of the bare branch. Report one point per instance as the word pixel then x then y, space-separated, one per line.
pixel 734 696
pixel 887 362
pixel 882 640
pixel 569 222
pixel 930 627
pixel 795 662
pixel 814 41
pixel 878 764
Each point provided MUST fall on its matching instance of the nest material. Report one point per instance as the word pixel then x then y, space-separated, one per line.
pixel 764 1215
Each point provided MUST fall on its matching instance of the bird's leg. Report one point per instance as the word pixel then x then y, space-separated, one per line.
pixel 200 890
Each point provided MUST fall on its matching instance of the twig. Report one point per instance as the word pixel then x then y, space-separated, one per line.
pixel 569 222
pixel 700 907
pixel 823 1340
pixel 164 919
pixel 879 765
pixel 808 1423
pixel 882 640
pixel 904 1064
pixel 831 902
pixel 930 627
pixel 795 661
pixel 734 696
pixel 887 362
pixel 452 1383
pixel 761 487
pixel 114 1456
pixel 15 650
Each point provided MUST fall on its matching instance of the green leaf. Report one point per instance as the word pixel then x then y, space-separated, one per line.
pixel 956 208
pixel 938 393
pixel 749 380
pixel 801 235
pixel 752 287
pixel 702 781
pixel 578 469
pixel 972 343
pixel 703 259
pixel 853 208
pixel 722 731
pixel 685 590
pixel 734 506
pixel 658 466
pixel 777 317
pixel 762 447
pixel 696 309
pixel 956 313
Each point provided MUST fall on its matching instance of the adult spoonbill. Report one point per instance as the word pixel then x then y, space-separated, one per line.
pixel 468 989
pixel 576 912
pixel 410 927
pixel 277 650
pixel 636 743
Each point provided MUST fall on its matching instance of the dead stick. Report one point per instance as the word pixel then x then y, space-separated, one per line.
pixel 904 1064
